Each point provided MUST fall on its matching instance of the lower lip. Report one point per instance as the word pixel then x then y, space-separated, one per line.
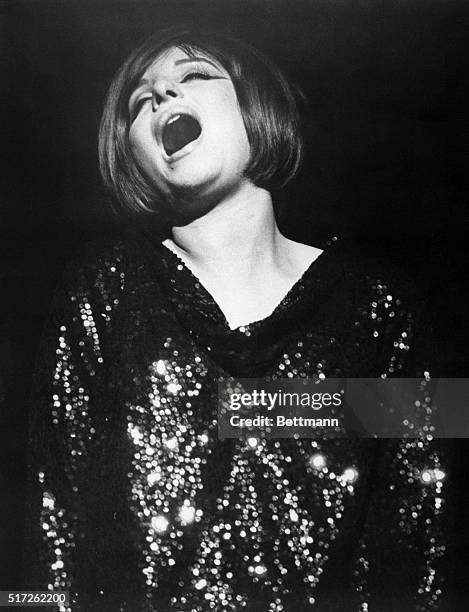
pixel 186 150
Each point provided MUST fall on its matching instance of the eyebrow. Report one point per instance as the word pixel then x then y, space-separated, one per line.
pixel 186 60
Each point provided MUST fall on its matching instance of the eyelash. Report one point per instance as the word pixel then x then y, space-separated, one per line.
pixel 196 75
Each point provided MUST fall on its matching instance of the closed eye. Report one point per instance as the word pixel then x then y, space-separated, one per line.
pixel 193 76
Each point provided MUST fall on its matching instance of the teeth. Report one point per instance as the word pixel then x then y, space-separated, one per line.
pixel 173 119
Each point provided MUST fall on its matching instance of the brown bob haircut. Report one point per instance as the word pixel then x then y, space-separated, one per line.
pixel 267 102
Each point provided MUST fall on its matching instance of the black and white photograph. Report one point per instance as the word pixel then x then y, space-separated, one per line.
pixel 259 200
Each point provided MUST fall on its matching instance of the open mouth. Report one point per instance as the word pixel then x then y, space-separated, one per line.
pixel 179 132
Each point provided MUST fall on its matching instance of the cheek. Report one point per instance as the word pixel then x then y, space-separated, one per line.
pixel 240 132
pixel 134 135
pixel 136 139
pixel 235 130
pixel 135 144
pixel 242 141
pixel 140 146
pixel 224 106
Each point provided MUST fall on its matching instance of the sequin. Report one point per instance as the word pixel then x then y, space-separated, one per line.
pixel 317 461
pixel 223 525
pixel 159 523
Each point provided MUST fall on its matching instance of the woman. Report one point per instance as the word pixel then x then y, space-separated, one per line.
pixel 142 506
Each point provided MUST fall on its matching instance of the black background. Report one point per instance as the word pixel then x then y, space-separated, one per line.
pixel 386 162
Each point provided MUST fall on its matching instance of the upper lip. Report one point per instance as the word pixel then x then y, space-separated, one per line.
pixel 168 114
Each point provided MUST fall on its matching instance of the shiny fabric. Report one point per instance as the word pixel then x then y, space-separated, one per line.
pixel 136 504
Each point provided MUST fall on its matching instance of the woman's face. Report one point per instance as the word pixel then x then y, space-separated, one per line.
pixel 187 134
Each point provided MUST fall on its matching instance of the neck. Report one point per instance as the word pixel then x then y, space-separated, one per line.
pixel 238 233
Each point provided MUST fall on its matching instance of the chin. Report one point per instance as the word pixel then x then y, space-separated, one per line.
pixel 187 192
pixel 192 179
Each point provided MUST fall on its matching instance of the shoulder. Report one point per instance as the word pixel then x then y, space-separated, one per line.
pixel 393 304
pixel 102 269
pixel 93 283
pixel 98 263
pixel 107 275
pixel 377 276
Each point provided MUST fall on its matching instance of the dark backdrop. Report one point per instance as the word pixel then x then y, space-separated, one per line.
pixel 386 129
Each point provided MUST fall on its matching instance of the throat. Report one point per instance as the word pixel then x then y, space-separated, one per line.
pixel 247 280
pixel 244 296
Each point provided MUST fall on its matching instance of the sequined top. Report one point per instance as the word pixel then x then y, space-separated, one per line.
pixel 136 504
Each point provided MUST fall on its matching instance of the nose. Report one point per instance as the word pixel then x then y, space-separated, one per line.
pixel 164 90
